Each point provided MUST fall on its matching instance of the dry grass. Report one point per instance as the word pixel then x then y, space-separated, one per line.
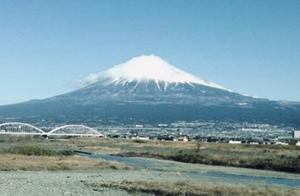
pixel 36 163
pixel 125 144
pixel 189 189
pixel 119 144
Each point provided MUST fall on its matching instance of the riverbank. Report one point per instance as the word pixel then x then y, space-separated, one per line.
pixel 123 182
pixel 12 162
pixel 265 157
pixel 37 157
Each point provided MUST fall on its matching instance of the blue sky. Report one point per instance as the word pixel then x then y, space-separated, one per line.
pixel 251 47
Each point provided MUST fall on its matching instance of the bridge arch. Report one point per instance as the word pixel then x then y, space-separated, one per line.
pixel 19 127
pixel 75 129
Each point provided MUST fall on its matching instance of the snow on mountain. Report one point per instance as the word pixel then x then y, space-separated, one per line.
pixel 146 68
pixel 147 89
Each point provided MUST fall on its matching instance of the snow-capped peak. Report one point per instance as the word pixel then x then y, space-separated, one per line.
pixel 147 68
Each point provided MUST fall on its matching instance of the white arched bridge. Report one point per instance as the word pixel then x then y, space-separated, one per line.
pixel 18 128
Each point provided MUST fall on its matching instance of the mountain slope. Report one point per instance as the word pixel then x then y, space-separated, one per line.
pixel 147 89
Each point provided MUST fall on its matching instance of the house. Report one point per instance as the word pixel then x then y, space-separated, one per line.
pixel 162 125
pixel 296 134
pixel 140 138
pixel 298 143
pixel 139 126
pixel 181 138
pixel 235 142
pixel 281 143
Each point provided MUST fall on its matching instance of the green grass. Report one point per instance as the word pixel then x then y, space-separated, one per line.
pixel 36 150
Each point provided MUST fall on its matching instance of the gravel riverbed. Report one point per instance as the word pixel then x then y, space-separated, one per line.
pixel 74 183
pixel 52 183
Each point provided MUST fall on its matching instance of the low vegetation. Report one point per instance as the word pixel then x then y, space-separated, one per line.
pixel 34 154
pixel 35 150
pixel 11 162
pixel 262 161
pixel 190 189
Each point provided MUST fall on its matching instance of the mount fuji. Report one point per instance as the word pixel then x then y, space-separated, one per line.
pixel 148 69
pixel 147 89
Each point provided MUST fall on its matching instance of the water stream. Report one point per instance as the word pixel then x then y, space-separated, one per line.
pixel 207 173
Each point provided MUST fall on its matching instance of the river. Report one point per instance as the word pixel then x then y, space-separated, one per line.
pixel 199 172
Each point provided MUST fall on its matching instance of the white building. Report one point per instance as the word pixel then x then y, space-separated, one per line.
pixel 298 143
pixel 234 142
pixel 140 138
pixel 281 143
pixel 139 126
pixel 181 138
pixel 296 134
pixel 163 125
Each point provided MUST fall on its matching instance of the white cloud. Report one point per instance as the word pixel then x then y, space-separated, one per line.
pixel 90 79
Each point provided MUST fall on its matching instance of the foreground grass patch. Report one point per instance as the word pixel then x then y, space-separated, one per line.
pixel 10 162
pixel 190 189
pixel 37 151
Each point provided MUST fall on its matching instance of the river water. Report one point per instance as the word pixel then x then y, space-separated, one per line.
pixel 198 172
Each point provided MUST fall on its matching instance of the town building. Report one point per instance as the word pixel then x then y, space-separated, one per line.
pixel 181 138
pixel 140 138
pixel 297 134
pixel 235 142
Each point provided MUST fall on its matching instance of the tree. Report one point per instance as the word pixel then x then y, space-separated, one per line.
pixel 198 145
